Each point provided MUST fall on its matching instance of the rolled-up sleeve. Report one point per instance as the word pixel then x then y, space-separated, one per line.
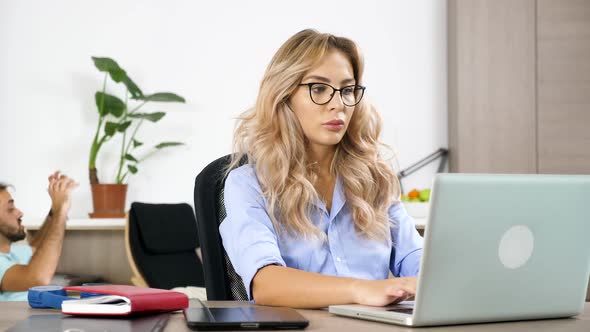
pixel 407 243
pixel 247 232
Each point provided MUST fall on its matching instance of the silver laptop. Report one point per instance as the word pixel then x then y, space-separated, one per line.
pixel 498 248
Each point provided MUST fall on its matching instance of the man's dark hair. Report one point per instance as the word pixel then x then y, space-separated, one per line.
pixel 5 186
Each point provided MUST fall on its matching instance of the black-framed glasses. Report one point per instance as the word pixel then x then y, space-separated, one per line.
pixel 322 93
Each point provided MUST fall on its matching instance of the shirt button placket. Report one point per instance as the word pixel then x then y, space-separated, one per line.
pixel 336 251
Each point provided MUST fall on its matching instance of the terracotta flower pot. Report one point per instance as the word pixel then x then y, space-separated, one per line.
pixel 108 200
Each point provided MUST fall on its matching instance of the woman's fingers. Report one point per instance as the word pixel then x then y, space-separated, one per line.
pixel 394 291
pixel 399 294
pixel 402 287
pixel 384 292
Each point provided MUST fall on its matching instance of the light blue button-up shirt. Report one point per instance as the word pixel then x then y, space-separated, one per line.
pixel 251 241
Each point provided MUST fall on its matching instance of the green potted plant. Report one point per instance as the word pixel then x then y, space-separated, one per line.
pixel 117 117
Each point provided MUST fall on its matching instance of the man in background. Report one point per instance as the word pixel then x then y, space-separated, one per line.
pixel 24 266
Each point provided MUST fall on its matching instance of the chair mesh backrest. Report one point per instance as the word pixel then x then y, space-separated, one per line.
pixel 221 280
pixel 236 285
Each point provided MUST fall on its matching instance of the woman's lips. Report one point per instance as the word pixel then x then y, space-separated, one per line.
pixel 334 125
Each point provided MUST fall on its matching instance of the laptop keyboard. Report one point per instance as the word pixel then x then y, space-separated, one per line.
pixel 408 311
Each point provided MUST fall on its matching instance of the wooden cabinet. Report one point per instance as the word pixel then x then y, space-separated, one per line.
pixel 563 84
pixel 519 86
pixel 93 246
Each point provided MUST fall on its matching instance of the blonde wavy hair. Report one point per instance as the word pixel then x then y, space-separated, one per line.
pixel 271 138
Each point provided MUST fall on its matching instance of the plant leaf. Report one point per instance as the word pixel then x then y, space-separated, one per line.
pixel 110 66
pixel 117 74
pixel 163 97
pixel 131 158
pixel 153 117
pixel 110 128
pixel 105 64
pixel 168 144
pixel 97 99
pixel 134 90
pixel 112 105
pixel 136 143
pixel 132 169
pixel 123 126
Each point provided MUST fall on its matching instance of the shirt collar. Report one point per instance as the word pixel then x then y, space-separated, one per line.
pixel 338 199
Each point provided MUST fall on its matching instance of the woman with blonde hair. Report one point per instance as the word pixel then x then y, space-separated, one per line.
pixel 314 217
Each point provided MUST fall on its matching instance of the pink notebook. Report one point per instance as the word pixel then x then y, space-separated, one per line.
pixel 123 300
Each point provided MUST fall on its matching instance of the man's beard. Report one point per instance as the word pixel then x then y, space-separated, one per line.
pixel 12 235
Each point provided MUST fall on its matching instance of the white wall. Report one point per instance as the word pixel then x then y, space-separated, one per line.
pixel 214 54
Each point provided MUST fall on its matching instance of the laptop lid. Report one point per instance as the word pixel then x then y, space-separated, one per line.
pixel 504 247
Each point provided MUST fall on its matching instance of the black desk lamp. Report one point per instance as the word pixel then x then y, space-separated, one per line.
pixel 440 153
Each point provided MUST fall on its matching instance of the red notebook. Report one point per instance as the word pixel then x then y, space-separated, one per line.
pixel 123 300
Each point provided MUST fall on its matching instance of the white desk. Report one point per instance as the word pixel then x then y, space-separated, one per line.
pixel 82 224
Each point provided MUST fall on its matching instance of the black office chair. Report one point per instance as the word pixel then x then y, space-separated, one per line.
pixel 161 242
pixel 221 280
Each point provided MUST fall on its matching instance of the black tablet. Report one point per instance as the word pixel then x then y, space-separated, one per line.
pixel 244 318
pixel 59 322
